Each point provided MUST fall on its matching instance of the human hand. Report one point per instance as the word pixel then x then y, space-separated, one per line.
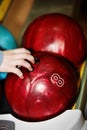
pixel 13 59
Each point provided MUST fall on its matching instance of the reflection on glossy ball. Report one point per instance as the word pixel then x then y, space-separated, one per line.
pixel 45 92
pixel 59 34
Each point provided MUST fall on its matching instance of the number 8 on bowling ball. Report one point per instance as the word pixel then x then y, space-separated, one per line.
pixel 45 92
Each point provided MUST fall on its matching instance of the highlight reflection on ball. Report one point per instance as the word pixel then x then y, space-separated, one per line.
pixel 45 92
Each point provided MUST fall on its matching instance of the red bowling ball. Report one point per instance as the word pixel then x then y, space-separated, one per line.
pixel 45 92
pixel 59 34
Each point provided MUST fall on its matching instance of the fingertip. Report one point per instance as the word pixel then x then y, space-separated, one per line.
pixel 22 77
pixel 19 73
pixel 28 51
pixel 31 69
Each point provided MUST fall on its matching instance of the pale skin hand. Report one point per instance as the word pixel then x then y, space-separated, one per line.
pixel 14 58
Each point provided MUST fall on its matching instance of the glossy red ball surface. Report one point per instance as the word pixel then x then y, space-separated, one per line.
pixel 59 34
pixel 46 91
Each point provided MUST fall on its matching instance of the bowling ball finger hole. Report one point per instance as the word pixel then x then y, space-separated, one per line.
pixel 37 61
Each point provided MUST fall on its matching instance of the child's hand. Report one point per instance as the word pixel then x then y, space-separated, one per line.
pixel 13 59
